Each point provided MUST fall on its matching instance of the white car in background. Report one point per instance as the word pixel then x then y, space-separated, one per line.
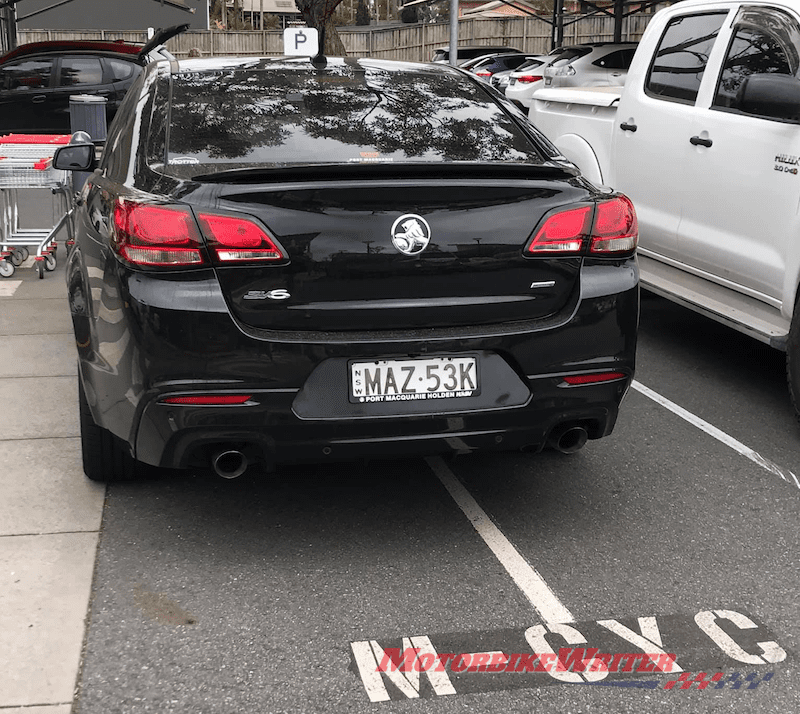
pixel 599 64
pixel 500 80
pixel 526 80
pixel 602 64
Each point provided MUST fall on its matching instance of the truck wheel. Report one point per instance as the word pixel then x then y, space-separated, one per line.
pixel 793 360
pixel 104 458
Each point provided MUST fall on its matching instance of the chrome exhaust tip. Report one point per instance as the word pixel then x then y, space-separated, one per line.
pixel 229 464
pixel 568 439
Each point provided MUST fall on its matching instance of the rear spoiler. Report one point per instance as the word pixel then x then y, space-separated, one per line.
pixel 160 37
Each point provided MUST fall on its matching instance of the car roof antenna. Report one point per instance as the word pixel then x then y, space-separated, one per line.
pixel 320 61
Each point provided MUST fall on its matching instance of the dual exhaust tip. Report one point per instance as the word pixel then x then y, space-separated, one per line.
pixel 568 438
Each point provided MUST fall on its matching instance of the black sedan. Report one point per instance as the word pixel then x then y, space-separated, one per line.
pixel 279 261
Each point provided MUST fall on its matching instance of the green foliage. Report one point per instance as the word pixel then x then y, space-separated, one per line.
pixel 409 15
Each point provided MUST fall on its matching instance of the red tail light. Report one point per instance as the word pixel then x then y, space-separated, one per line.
pixel 616 229
pixel 562 232
pixel 207 400
pixel 484 73
pixel 595 378
pixel 164 235
pixel 609 228
pixel 529 78
pixel 156 235
pixel 234 240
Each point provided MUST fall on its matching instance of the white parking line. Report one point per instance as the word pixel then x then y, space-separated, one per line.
pixel 718 434
pixel 522 573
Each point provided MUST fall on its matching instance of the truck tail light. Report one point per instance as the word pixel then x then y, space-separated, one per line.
pixel 608 228
pixel 233 239
pixel 156 235
pixel 529 78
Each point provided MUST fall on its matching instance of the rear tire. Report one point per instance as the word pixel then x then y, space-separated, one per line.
pixel 793 361
pixel 104 456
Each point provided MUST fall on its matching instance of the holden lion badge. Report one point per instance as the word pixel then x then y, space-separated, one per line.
pixel 411 234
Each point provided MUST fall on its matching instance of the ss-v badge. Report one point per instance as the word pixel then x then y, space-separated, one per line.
pixel 278 294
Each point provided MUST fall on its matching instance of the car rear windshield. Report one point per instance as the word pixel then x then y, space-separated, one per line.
pixel 569 55
pixel 277 114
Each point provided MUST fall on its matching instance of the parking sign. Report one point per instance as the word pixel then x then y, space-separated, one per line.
pixel 303 41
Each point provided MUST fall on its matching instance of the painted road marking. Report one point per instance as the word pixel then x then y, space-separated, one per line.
pixel 9 287
pixel 721 644
pixel 707 622
pixel 403 674
pixel 648 641
pixel 718 434
pixel 522 573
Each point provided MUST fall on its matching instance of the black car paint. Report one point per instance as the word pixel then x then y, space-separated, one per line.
pixel 143 336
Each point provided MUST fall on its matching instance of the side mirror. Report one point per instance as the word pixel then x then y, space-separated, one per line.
pixel 776 96
pixel 75 157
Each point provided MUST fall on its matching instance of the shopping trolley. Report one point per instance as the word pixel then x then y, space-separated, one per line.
pixel 26 161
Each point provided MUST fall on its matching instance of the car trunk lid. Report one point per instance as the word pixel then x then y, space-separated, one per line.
pixel 411 253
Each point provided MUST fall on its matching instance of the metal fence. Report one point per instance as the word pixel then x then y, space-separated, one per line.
pixel 413 43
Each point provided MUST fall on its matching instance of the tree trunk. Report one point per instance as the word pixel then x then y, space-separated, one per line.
pixel 334 47
pixel 319 14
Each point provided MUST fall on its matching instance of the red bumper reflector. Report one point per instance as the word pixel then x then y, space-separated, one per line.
pixel 209 399
pixel 594 378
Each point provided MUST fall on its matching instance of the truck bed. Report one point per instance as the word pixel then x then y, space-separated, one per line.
pixel 580 121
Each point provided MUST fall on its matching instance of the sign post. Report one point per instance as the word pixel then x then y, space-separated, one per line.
pixel 454 33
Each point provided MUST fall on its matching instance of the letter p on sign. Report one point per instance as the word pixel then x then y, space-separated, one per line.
pixel 301 41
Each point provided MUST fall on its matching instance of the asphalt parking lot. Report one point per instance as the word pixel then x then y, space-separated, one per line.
pixel 286 592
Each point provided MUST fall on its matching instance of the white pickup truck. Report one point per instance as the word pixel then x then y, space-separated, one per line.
pixel 705 138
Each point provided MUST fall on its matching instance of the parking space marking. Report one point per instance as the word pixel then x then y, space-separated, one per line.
pixel 522 573
pixel 9 287
pixel 718 434
pixel 617 652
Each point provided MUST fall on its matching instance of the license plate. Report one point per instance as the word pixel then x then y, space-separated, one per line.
pixel 414 379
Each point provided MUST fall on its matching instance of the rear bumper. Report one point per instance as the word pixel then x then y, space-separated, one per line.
pixel 270 432
pixel 299 410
